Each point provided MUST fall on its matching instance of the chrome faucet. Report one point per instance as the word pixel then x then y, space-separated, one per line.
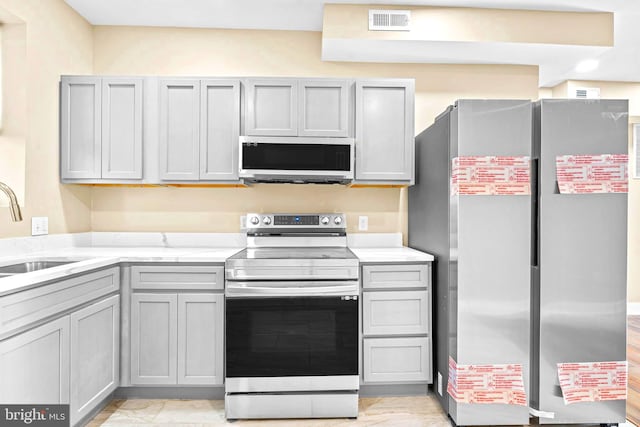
pixel 14 208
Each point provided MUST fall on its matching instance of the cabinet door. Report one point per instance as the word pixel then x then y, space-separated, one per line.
pixel 384 130
pixel 323 108
pixel 200 338
pixel 395 312
pixel 397 359
pixel 122 128
pixel 179 130
pixel 34 365
pixel 219 129
pixel 272 107
pixel 154 338
pixel 95 355
pixel 80 102
pixel 396 276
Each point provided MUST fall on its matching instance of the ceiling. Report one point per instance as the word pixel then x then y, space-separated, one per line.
pixel 557 63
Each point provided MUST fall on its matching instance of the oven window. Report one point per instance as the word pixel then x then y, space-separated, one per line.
pixel 321 157
pixel 293 336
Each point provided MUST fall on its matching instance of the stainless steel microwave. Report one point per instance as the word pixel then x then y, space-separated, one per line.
pixel 296 159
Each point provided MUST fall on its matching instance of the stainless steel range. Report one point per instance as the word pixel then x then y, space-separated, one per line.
pixel 292 320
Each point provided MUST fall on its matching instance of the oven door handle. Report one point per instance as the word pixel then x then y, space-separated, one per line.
pixel 267 289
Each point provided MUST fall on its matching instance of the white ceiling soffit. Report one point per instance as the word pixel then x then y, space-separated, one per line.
pixel 557 63
pixel 554 60
pixel 286 14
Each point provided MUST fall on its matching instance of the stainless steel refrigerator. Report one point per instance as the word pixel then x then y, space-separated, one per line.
pixel 483 249
pixel 579 271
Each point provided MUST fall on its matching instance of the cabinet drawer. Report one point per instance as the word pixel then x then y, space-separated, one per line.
pixel 395 312
pixel 177 277
pixel 23 308
pixel 397 360
pixel 396 276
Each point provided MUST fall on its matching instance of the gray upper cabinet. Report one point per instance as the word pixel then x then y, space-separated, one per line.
pixel 219 129
pixel 186 130
pixel 298 107
pixel 199 129
pixel 323 108
pixel 100 128
pixel 95 356
pixel 271 107
pixel 384 131
pixel 80 128
pixel 121 128
pixel 179 130
pixel 34 365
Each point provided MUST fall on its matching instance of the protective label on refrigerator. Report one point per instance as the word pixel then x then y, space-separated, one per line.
pixel 490 175
pixel 486 384
pixel 588 174
pixel 593 381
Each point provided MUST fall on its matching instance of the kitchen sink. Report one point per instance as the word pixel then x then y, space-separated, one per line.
pixel 29 266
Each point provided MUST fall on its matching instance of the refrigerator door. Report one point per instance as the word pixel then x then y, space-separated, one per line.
pixel 490 253
pixel 582 257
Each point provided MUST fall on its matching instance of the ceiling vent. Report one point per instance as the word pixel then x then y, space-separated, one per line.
pixel 585 93
pixel 389 20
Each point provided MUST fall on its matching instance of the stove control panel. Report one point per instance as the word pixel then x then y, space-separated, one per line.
pixel 290 221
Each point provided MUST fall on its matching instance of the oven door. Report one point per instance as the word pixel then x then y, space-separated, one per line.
pixel 304 336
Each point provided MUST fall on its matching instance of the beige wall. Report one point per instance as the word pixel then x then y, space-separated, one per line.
pixel 208 52
pixel 58 41
pixel 429 23
pixel 630 91
pixel 14 109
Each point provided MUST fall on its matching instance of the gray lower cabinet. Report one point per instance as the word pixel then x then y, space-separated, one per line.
pixel 200 338
pixel 34 365
pixel 100 128
pixel 177 338
pixel 398 359
pixel 154 338
pixel 95 355
pixel 396 327
pixel 385 131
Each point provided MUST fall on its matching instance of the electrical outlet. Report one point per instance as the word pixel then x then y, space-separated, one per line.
pixel 363 223
pixel 39 225
pixel 243 222
pixel 439 383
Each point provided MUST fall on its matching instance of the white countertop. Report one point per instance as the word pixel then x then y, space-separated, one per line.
pixel 393 254
pixel 96 257
pixel 90 253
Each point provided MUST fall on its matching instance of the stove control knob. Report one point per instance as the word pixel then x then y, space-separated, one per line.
pixel 337 220
pixel 266 220
pixel 255 220
pixel 324 220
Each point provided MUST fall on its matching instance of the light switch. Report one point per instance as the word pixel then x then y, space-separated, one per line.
pixel 39 225
pixel 363 223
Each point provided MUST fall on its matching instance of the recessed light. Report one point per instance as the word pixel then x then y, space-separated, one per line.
pixel 587 65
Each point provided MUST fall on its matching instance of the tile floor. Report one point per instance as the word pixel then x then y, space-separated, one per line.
pixel 416 411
